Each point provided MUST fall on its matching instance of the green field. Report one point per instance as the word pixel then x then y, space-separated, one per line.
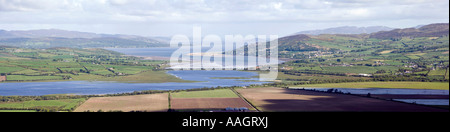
pixel 17 111
pixel 408 85
pixel 32 78
pixel 64 64
pixel 285 77
pixel 4 69
pixel 144 77
pixel 63 104
pixel 219 93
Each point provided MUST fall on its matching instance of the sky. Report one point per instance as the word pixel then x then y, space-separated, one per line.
pixel 220 17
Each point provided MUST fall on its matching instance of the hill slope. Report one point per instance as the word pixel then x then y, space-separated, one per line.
pixel 347 30
pixel 49 38
pixel 431 30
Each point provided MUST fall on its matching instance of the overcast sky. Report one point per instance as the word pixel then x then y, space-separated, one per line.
pixel 221 17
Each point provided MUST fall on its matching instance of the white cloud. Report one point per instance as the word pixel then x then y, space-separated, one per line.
pixel 245 13
pixel 118 2
pixel 277 5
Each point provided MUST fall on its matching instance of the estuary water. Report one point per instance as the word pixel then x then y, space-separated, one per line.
pixel 204 78
pixel 396 91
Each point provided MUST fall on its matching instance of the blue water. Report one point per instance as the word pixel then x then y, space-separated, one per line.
pixel 387 91
pixel 99 87
pixel 205 79
pixel 426 101
pixel 396 91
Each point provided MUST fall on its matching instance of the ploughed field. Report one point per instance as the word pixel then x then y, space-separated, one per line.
pixel 148 103
pixel 218 99
pixel 264 99
pixel 206 100
pixel 207 103
pixel 279 99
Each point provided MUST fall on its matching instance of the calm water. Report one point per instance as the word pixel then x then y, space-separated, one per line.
pixel 426 101
pixel 374 91
pixel 98 87
pixel 387 91
pixel 167 52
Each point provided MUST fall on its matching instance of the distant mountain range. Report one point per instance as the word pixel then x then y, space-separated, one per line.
pixel 49 38
pixel 299 42
pixel 431 30
pixel 347 30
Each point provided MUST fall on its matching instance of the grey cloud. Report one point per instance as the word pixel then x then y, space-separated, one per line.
pixel 19 5
pixel 245 13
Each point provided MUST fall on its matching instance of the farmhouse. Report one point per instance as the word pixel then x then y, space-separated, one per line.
pixel 2 78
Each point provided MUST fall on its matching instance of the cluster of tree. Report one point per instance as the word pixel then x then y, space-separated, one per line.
pixel 58 60
pixel 166 91
pixel 359 50
pixel 105 111
pixel 298 48
pixel 29 98
pixel 306 71
pixel 418 48
pixel 374 79
pixel 41 109
pixel 408 78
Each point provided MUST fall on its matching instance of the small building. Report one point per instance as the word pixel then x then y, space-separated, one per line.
pixel 2 78
pixel 365 75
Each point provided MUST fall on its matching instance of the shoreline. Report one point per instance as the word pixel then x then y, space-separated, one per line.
pixel 151 57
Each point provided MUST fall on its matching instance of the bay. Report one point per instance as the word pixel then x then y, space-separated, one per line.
pixel 204 78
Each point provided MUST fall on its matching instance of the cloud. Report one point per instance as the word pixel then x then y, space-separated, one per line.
pixel 20 5
pixel 37 5
pixel 245 13
pixel 118 2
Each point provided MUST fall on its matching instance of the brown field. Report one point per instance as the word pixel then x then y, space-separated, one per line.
pixel 149 103
pixel 278 99
pixel 386 51
pixel 207 103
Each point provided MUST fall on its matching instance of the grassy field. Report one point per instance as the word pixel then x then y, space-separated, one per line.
pixel 359 69
pixel 64 104
pixel 409 85
pixel 207 100
pixel 17 111
pixel 79 64
pixel 4 69
pixel 144 77
pixel 283 76
pixel 32 78
pixel 219 93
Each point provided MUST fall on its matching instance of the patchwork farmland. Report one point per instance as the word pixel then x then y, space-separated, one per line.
pixel 218 99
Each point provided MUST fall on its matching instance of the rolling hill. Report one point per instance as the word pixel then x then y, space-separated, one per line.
pixel 308 42
pixel 49 38
pixel 431 30
pixel 347 30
